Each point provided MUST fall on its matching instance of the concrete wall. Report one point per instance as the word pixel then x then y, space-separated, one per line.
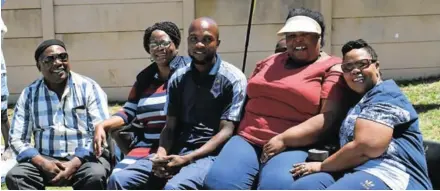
pixel 232 17
pixel 104 37
pixel 405 33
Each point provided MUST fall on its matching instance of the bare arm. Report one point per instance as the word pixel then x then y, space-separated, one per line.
pixel 332 110
pixel 112 124
pixel 310 130
pixel 167 136
pixel 362 148
pixel 226 131
pixel 227 125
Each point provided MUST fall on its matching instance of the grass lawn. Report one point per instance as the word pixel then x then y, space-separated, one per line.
pixel 424 95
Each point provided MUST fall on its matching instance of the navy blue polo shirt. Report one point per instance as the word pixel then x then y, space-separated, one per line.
pixel 201 101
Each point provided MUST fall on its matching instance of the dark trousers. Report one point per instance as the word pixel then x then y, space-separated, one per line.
pixel 91 175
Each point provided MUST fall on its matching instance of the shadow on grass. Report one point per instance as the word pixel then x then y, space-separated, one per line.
pixel 423 108
pixel 403 83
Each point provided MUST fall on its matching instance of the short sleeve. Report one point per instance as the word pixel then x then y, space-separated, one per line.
pixel 333 85
pixel 172 106
pixel 260 65
pixel 233 111
pixel 386 114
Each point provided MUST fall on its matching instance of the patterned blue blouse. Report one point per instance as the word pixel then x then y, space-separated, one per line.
pixel 403 165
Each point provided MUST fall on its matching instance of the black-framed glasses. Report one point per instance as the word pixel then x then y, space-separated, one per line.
pixel 359 64
pixel 163 44
pixel 63 57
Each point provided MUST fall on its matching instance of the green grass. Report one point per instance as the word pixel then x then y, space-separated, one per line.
pixel 424 94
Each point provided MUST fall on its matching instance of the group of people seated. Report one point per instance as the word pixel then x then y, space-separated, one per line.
pixel 198 123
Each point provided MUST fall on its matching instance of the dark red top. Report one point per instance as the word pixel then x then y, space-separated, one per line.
pixel 280 98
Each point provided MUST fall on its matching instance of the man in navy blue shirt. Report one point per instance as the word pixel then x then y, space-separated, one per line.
pixel 204 103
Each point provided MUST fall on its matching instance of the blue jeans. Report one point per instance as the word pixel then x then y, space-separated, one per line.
pixel 238 168
pixel 139 176
pixel 358 180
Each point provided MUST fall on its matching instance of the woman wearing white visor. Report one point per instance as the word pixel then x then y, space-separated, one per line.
pixel 293 97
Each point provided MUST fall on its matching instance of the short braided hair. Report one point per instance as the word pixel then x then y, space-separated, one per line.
pixel 168 27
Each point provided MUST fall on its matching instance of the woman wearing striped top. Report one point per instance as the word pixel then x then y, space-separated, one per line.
pixel 145 105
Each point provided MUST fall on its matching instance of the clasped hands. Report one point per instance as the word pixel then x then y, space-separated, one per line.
pixel 58 172
pixel 168 166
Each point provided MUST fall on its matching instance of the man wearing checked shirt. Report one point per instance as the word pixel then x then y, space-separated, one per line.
pixel 60 111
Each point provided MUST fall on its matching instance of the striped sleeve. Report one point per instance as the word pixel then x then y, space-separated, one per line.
pixel 21 129
pixel 128 111
pixel 233 112
pixel 98 112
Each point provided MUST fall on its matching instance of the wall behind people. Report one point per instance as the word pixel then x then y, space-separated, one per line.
pixel 232 17
pixel 406 33
pixel 104 37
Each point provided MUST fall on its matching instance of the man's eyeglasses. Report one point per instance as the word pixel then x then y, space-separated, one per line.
pixel 63 57
pixel 163 44
pixel 360 64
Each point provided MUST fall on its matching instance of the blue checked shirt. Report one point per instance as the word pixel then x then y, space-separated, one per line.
pixel 61 128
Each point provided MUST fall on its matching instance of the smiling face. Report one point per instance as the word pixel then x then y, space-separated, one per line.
pixel 203 41
pixel 302 46
pixel 162 48
pixel 360 72
pixel 54 64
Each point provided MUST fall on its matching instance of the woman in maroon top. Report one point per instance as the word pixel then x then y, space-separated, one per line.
pixel 292 98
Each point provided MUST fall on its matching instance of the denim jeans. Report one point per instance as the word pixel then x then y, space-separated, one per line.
pixel 139 176
pixel 238 167
pixel 358 180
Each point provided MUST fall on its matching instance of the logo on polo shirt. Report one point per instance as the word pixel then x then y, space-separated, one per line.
pixel 216 88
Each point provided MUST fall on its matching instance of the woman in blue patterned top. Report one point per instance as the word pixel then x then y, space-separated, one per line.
pixel 381 143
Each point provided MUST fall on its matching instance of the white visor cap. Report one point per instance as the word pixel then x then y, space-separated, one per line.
pixel 300 24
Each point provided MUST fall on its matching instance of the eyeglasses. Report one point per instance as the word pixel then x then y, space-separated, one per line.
pixel 63 57
pixel 163 44
pixel 360 64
